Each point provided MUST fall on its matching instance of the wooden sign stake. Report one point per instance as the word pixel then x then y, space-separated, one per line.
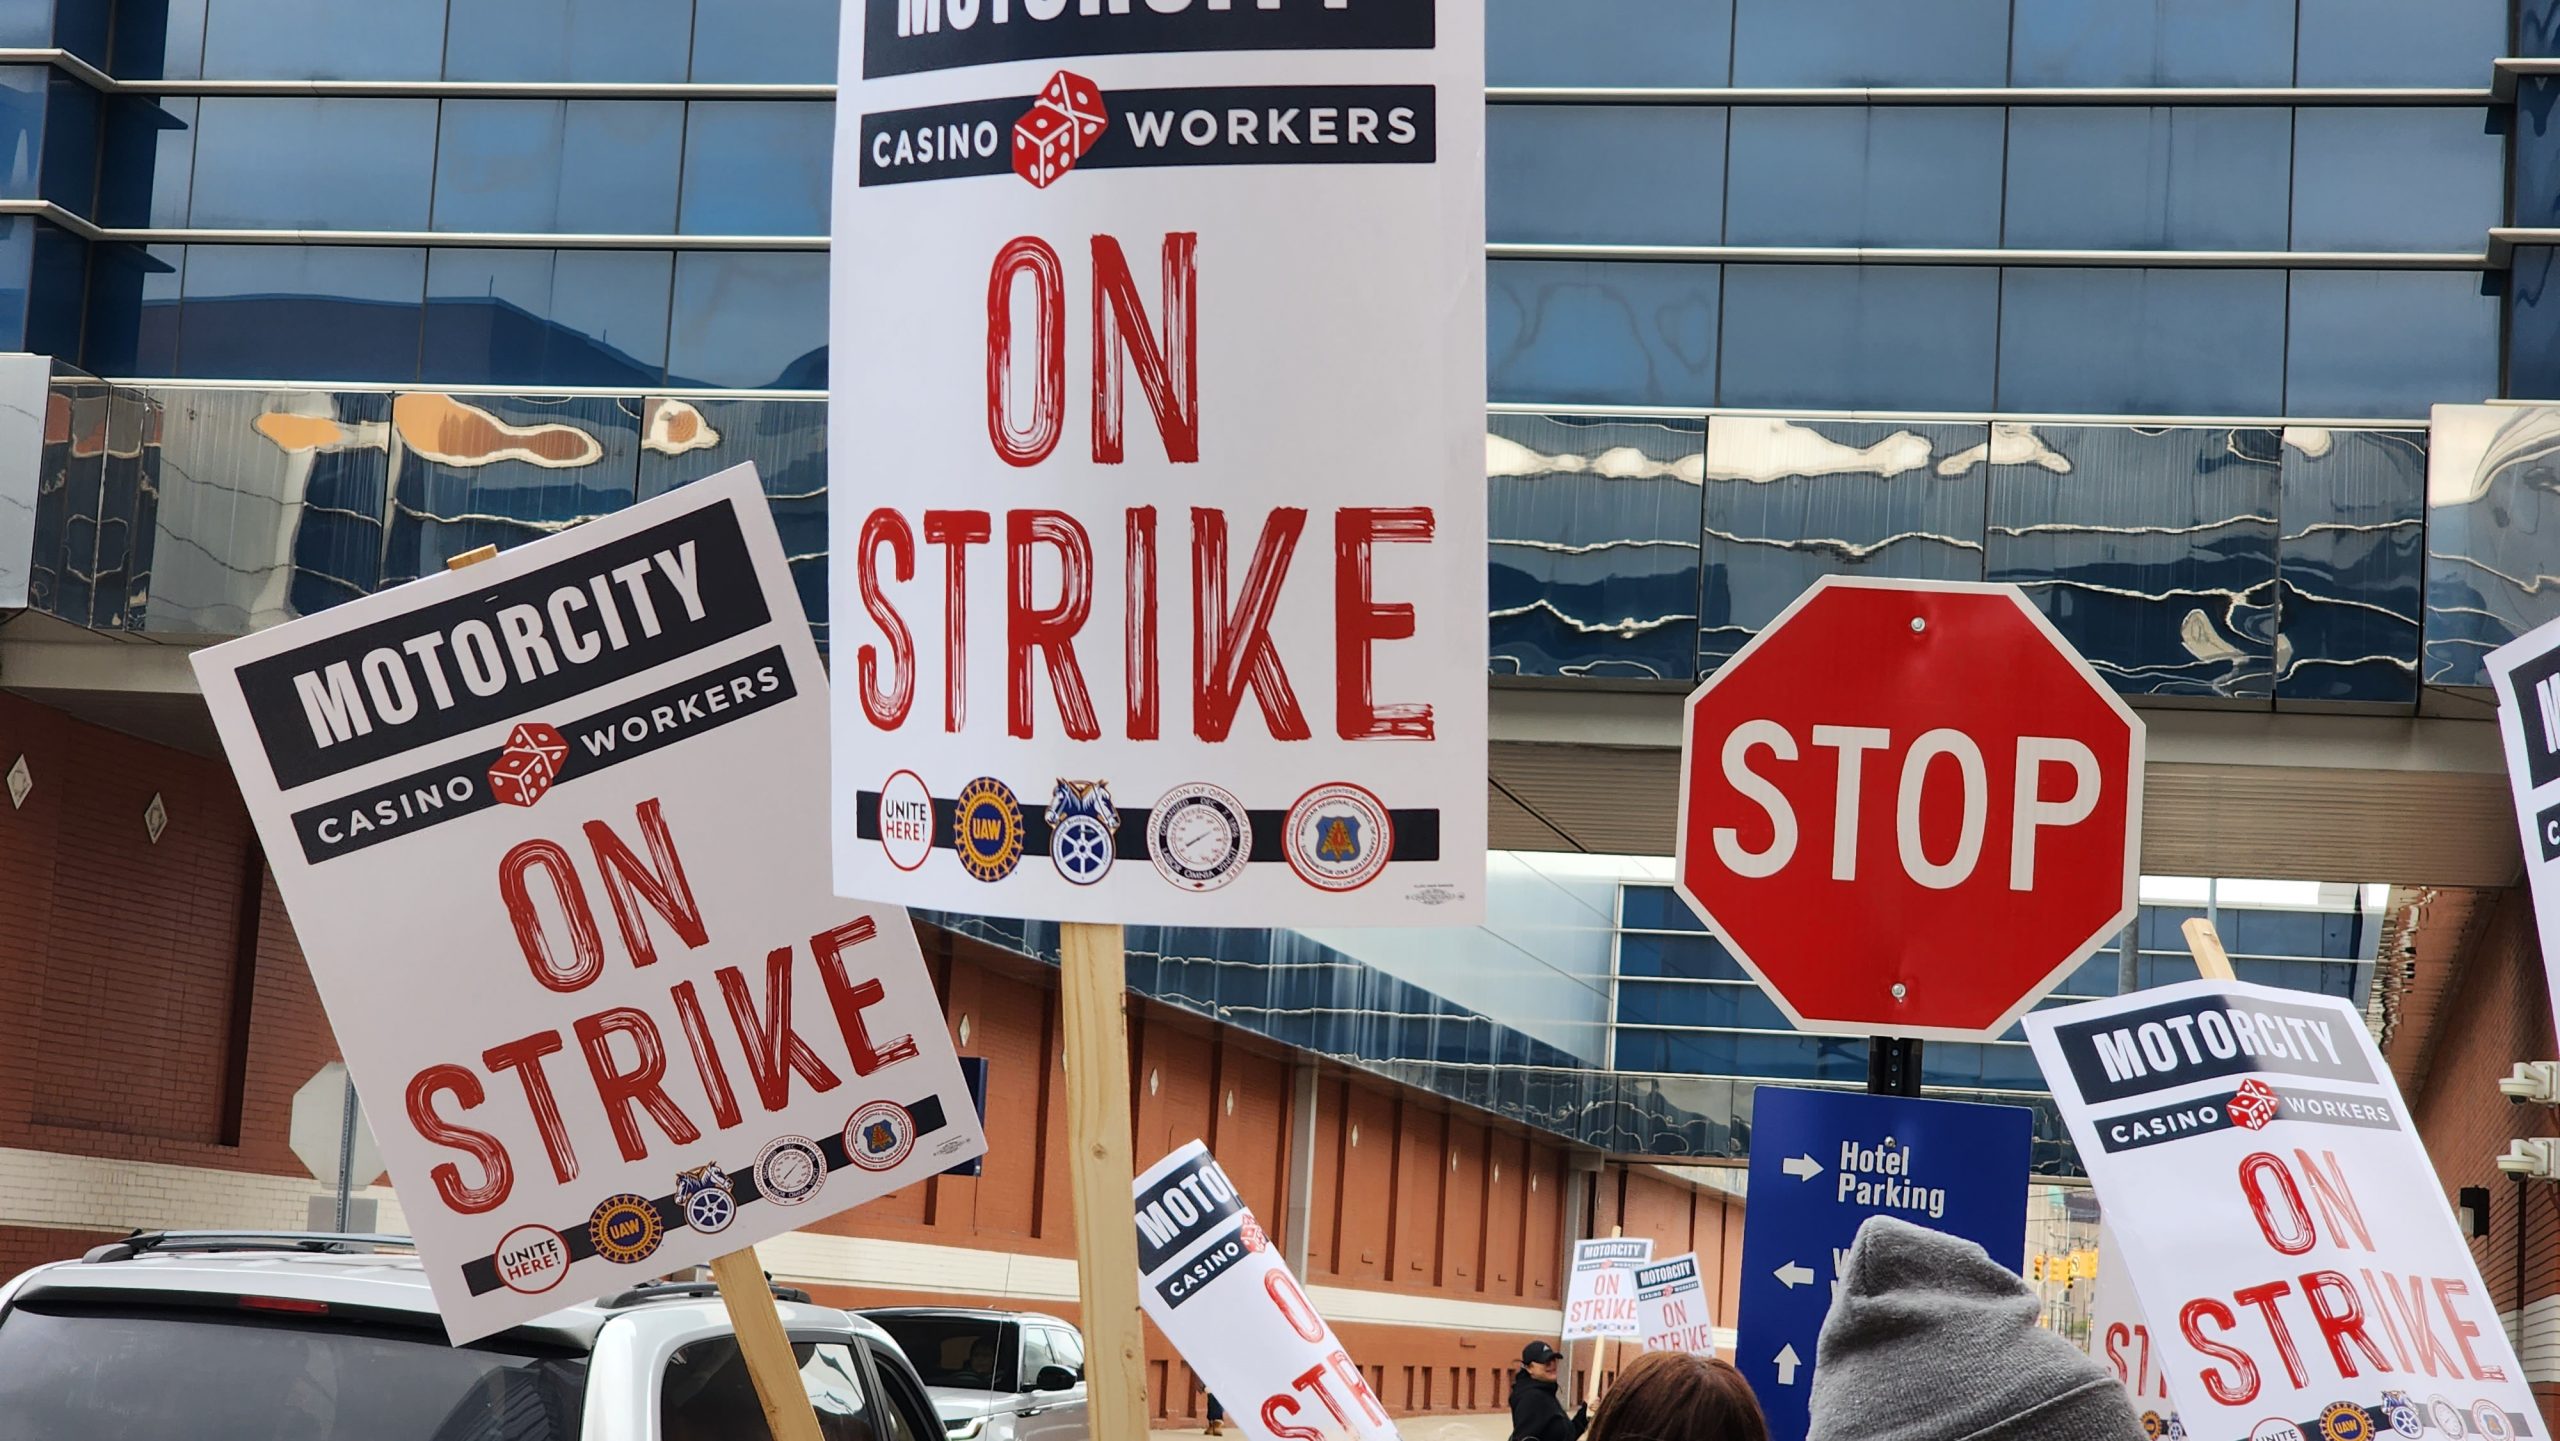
pixel 762 1342
pixel 1094 992
pixel 1599 1349
pixel 2205 945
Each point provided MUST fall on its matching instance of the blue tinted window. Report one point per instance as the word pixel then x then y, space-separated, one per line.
pixel 59 278
pixel 2152 42
pixel 71 144
pixel 757 167
pixel 589 167
pixel 133 310
pixel 630 41
pixel 149 162
pixel 1683 1003
pixel 776 41
pixel 2533 332
pixel 1841 175
pixel 1875 337
pixel 2401 178
pixel 1688 957
pixel 1608 42
pixel 1601 332
pixel 2393 42
pixel 2142 342
pixel 159 39
pixel 304 312
pixel 2125 177
pixel 746 321
pixel 323 39
pixel 1870 42
pixel 17 259
pixel 26 24
pixel 2389 343
pixel 287 163
pixel 21 129
pixel 1655 908
pixel 1607 174
pixel 542 317
pixel 2537 152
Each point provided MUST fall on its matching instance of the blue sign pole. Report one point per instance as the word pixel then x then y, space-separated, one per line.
pixel 1822 1162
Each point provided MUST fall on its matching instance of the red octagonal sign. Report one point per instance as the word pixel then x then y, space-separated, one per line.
pixel 1910 808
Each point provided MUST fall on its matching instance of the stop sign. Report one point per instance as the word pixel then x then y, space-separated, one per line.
pixel 1910 808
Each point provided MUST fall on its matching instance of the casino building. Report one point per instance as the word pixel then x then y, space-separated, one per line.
pixel 2146 306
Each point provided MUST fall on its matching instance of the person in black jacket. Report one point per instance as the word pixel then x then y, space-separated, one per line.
pixel 1536 1414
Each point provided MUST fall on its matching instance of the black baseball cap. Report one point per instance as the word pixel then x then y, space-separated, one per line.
pixel 1537 1353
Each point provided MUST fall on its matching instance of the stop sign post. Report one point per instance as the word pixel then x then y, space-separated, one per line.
pixel 1910 809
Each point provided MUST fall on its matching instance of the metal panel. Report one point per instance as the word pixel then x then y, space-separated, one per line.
pixel 469 471
pixel 2493 571
pixel 2351 567
pixel 686 439
pixel 25 381
pixel 1594 565
pixel 2152 549
pixel 1790 501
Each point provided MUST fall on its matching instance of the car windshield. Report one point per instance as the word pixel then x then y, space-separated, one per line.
pixel 962 1352
pixel 133 1374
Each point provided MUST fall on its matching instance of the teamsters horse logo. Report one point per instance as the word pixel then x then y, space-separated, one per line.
pixel 1084 827
pixel 709 1199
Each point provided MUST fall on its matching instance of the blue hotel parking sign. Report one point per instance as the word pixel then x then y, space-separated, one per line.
pixel 1822 1162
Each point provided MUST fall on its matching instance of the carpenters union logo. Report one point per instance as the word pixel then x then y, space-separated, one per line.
pixel 879 1136
pixel 1339 837
pixel 1084 828
pixel 986 829
pixel 709 1200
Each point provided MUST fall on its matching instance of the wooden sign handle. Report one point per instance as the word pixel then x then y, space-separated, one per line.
pixel 1599 1349
pixel 762 1343
pixel 2205 945
pixel 788 1412
pixel 1094 1001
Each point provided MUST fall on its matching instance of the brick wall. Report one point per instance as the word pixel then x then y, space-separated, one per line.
pixel 2497 1015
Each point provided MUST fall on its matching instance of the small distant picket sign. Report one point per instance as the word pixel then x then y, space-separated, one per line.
pixel 1671 1307
pixel 1213 1282
pixel 2279 1218
pixel 2121 1339
pixel 2525 672
pixel 549 834
pixel 1600 1295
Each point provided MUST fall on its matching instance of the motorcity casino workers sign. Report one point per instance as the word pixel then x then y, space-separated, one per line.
pixel 2525 672
pixel 546 830
pixel 2301 1274
pixel 1158 498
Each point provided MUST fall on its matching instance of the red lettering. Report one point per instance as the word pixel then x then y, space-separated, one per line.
pixel 1227 654
pixel 2299 1235
pixel 618 1089
pixel 525 1059
pixel 2336 1199
pixel 956 531
pixel 2241 1387
pixel 1142 623
pixel 1312 1379
pixel 2463 1331
pixel 1357 1385
pixel 1168 370
pixel 1050 630
pixel 2415 1317
pixel 886 705
pixel 2390 1325
pixel 586 946
pixel 774 1050
pixel 850 1000
pixel 2340 1315
pixel 2265 1298
pixel 1277 1407
pixel 498 1174
pixel 706 1057
pixel 661 883
pixel 1360 622
pixel 1031 442
pixel 1294 1306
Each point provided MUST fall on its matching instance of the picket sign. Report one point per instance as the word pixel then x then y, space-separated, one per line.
pixel 1600 1298
pixel 2122 1340
pixel 1671 1307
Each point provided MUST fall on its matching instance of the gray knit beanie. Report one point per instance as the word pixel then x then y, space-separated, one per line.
pixel 1929 1339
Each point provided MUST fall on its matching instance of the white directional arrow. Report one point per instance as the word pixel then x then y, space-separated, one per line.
pixel 1795 1275
pixel 1788 1361
pixel 1803 1168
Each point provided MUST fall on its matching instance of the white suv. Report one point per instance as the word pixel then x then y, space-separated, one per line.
pixel 223 1336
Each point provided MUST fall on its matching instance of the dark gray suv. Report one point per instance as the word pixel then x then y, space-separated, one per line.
pixel 994 1375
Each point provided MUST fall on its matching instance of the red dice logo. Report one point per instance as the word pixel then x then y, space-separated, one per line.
pixel 1060 127
pixel 2254 1106
pixel 529 765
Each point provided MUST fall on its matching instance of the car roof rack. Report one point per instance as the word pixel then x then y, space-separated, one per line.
pixel 648 1291
pixel 327 1243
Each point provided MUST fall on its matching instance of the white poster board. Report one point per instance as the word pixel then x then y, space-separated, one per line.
pixel 1157 499
pixel 548 830
pixel 2525 673
pixel 1600 1295
pixel 1672 1308
pixel 2279 1217
pixel 1212 1281
pixel 2121 1340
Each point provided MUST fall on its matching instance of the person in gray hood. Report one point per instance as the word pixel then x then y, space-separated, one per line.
pixel 1929 1339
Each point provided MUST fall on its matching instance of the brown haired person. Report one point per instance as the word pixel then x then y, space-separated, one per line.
pixel 1674 1396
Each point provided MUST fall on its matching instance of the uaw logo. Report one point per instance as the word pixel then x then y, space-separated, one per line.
pixel 2253 1105
pixel 2345 1421
pixel 709 1200
pixel 1061 126
pixel 1084 827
